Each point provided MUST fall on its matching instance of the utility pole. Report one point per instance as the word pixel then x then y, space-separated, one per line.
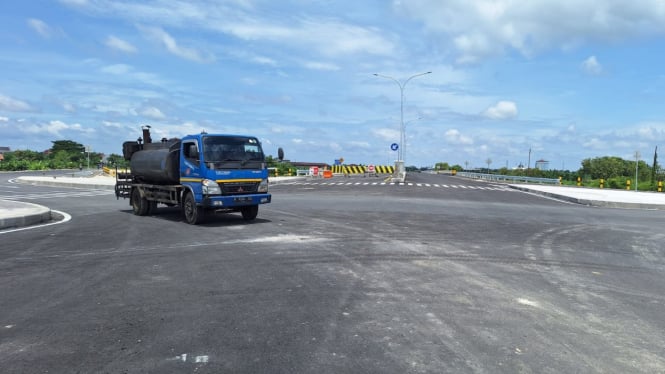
pixel 528 165
pixel 637 159
pixel 88 150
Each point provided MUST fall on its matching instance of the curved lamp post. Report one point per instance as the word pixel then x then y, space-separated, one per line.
pixel 402 136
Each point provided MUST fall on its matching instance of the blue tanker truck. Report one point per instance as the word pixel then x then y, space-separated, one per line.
pixel 202 174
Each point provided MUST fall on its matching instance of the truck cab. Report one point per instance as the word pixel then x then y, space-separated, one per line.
pixel 224 172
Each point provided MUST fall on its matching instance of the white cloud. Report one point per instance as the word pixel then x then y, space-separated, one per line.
pixel 315 34
pixel 327 36
pixel 595 143
pixel 13 105
pixel 323 66
pixel 117 69
pixel 502 110
pixel 129 72
pixel 478 29
pixel 4 119
pixel 152 112
pixel 69 107
pixel 286 129
pixel 264 60
pixel 592 66
pixel 75 2
pixel 113 125
pixel 40 27
pixel 119 45
pixel 158 34
pixel 359 145
pixel 55 128
pixel 453 136
pixel 386 134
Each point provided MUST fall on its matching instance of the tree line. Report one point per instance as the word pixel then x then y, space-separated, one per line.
pixel 64 154
pixel 614 172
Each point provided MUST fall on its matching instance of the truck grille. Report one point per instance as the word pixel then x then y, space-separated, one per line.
pixel 239 188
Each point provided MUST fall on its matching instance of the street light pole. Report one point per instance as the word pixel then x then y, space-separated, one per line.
pixel 402 136
pixel 637 161
pixel 404 132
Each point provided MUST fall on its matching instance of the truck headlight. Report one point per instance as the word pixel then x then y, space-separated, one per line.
pixel 211 187
pixel 263 186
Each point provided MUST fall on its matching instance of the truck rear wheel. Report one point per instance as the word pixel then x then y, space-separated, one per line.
pixel 193 214
pixel 249 212
pixel 140 206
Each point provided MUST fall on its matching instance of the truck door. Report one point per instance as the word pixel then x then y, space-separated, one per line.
pixel 190 167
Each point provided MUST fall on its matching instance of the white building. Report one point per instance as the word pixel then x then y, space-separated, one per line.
pixel 542 165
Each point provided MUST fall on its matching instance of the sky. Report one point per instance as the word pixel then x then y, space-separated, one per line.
pixel 511 81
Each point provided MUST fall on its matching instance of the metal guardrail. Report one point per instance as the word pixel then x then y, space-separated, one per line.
pixel 508 178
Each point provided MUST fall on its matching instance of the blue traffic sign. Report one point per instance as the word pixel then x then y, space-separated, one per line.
pixel 394 146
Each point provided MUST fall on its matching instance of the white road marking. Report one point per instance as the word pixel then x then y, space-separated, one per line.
pixel 416 184
pixel 281 238
pixel 203 359
pixel 528 302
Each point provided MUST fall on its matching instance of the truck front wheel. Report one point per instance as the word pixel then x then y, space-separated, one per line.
pixel 193 214
pixel 140 206
pixel 249 212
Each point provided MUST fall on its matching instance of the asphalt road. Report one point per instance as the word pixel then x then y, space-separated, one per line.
pixel 444 275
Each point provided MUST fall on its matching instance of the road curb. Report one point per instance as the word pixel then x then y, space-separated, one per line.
pixel 56 183
pixel 23 214
pixel 594 203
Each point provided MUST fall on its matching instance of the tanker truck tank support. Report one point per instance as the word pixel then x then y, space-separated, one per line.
pixel 202 174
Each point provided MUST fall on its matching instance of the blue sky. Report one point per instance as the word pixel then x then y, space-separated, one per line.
pixel 566 79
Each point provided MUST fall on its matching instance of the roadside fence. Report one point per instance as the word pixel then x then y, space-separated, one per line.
pixel 508 178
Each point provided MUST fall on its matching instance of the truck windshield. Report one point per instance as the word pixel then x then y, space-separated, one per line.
pixel 238 149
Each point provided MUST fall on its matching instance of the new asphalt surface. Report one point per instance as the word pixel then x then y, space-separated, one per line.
pixel 14 214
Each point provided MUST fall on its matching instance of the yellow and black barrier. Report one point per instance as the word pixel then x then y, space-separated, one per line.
pixel 109 171
pixel 360 169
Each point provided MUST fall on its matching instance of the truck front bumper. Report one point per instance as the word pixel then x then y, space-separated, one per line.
pixel 221 201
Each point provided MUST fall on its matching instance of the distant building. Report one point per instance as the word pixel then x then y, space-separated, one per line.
pixel 2 152
pixel 303 165
pixel 542 165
